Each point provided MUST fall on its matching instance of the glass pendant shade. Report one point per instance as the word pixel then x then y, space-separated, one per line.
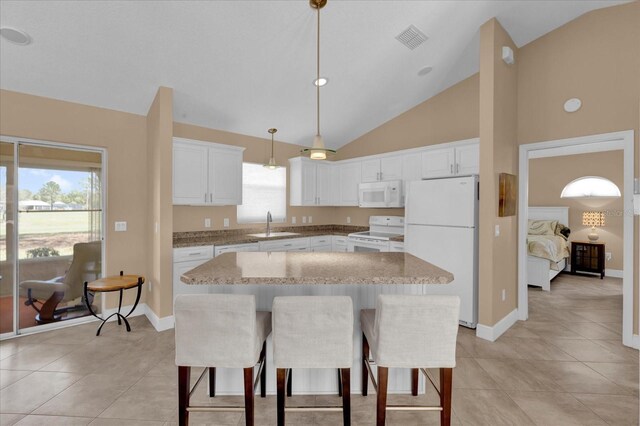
pixel 272 160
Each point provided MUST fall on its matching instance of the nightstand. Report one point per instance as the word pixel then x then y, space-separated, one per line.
pixel 587 257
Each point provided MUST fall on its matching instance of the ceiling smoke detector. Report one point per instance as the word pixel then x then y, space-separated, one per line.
pixel 411 37
pixel 15 36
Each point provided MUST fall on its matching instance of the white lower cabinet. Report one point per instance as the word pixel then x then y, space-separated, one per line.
pixel 339 244
pixel 396 246
pixel 185 259
pixel 290 244
pixel 320 244
pixel 232 248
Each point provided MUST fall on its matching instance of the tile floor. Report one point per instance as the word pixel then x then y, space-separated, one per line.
pixel 565 366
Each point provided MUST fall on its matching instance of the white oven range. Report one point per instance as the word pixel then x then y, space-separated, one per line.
pixel 376 239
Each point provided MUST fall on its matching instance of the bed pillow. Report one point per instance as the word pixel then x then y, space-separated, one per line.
pixel 562 231
pixel 542 227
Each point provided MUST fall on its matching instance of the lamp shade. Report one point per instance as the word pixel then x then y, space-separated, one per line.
pixel 590 186
pixel 593 219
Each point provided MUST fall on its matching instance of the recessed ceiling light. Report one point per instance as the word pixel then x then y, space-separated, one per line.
pixel 321 81
pixel 15 36
pixel 425 71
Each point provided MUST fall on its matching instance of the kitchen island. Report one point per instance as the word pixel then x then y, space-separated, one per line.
pixel 362 276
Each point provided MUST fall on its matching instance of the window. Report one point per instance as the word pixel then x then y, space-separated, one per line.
pixel 263 190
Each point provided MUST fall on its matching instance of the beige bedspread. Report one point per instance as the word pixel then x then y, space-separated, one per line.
pixel 550 247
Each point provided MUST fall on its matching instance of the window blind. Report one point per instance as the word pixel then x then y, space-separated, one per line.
pixel 263 190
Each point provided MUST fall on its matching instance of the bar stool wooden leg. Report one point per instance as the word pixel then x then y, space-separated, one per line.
pixel 339 383
pixel 212 382
pixel 184 374
pixel 365 371
pixel 248 396
pixel 446 381
pixel 263 374
pixel 346 396
pixel 414 381
pixel 383 374
pixel 289 382
pixel 281 377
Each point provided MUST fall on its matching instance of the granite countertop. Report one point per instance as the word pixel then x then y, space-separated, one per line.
pixel 399 238
pixel 316 268
pixel 241 236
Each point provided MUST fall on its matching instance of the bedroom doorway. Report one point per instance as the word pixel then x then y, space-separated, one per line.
pixel 618 141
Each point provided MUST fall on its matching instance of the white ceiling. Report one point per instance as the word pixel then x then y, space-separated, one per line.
pixel 246 66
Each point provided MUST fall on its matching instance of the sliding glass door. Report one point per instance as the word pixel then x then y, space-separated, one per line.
pixel 7 239
pixel 53 234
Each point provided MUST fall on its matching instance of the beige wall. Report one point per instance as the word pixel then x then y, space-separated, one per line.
pixel 547 178
pixel 159 207
pixel 596 58
pixel 123 135
pixel 498 154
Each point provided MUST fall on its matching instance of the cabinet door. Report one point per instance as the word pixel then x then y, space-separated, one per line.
pixel 323 184
pixel 438 163
pixel 411 169
pixel 179 287
pixel 309 176
pixel 189 174
pixel 225 177
pixel 468 160
pixel 350 174
pixel 391 168
pixel 371 170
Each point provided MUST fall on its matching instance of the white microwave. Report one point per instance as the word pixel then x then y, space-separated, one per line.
pixel 381 194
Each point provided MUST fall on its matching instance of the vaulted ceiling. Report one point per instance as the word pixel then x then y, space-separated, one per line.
pixel 246 66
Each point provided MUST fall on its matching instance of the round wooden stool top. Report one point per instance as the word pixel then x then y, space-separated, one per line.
pixel 114 283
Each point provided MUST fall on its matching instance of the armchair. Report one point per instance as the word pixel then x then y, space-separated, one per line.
pixel 86 260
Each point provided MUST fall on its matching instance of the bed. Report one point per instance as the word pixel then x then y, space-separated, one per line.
pixel 540 270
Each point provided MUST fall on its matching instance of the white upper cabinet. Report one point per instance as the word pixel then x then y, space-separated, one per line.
pixel 189 174
pixel 310 182
pixel 462 159
pixel 380 169
pixel 349 178
pixel 411 169
pixel 206 173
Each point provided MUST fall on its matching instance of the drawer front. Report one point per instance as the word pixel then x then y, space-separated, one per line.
pixel 236 248
pixel 285 245
pixel 320 241
pixel 186 254
pixel 396 246
pixel 324 249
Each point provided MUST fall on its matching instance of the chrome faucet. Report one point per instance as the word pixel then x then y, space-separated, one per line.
pixel 269 220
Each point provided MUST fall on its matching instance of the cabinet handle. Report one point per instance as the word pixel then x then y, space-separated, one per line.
pixel 195 254
pixel 451 167
pixel 287 245
pixel 457 168
pixel 205 197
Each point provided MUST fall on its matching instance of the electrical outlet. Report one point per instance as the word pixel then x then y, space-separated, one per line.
pixel 504 294
pixel 207 222
pixel 121 226
pixel 293 220
pixel 497 231
pixel 310 219
pixel 150 286
pixel 304 219
pixel 607 255
pixel 157 227
pixel 225 222
pixel 348 219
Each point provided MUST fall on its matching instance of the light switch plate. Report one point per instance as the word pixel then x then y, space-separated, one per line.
pixel 225 222
pixel 348 219
pixel 293 220
pixel 497 231
pixel 121 226
pixel 310 219
pixel 304 219
pixel 207 222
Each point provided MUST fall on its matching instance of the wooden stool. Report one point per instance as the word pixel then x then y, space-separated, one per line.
pixel 416 332
pixel 313 332
pixel 116 283
pixel 220 330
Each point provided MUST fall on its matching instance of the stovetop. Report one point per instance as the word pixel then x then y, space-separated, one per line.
pixel 374 234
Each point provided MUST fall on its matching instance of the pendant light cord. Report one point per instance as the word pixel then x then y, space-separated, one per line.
pixel 318 78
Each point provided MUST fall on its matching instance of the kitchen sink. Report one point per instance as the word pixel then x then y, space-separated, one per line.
pixel 274 234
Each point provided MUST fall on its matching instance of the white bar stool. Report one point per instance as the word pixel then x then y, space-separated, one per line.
pixel 312 332
pixel 416 332
pixel 219 330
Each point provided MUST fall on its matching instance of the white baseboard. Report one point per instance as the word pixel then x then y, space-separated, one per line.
pixel 615 273
pixel 491 333
pixel 160 324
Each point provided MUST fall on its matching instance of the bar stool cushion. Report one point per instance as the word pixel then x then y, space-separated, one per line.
pixel 313 332
pixel 219 330
pixel 413 331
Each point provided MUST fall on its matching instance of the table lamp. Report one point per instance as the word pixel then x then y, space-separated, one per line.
pixel 593 219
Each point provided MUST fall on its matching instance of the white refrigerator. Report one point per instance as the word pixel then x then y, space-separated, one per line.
pixel 441 218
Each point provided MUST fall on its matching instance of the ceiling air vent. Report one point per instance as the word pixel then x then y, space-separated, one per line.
pixel 411 37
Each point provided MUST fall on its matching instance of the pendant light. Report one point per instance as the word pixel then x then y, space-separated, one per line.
pixel 272 160
pixel 318 150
